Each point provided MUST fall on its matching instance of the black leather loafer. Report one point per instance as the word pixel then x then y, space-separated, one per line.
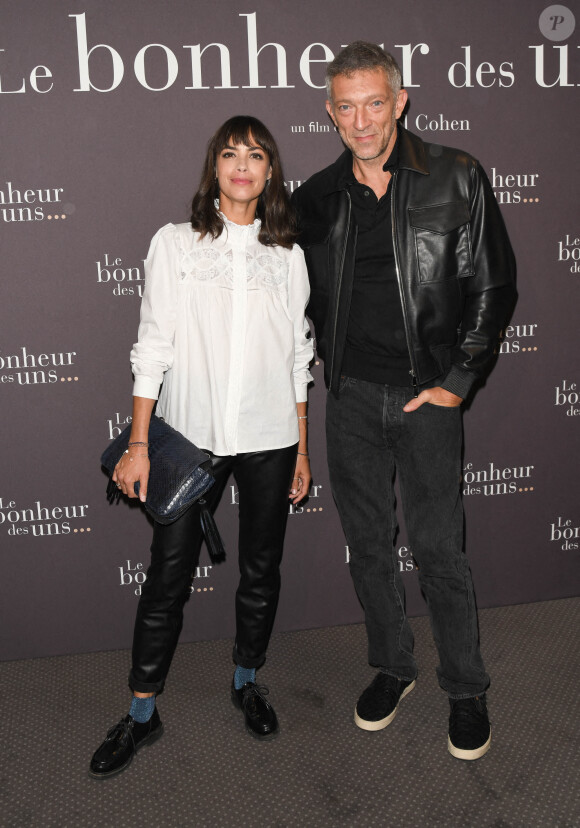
pixel 259 714
pixel 122 743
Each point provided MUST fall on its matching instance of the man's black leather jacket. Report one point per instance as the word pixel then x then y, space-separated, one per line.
pixel 455 265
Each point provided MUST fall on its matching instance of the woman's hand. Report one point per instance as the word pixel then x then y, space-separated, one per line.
pixel 134 464
pixel 301 480
pixel 132 467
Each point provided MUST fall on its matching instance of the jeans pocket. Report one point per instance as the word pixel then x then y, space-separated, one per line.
pixel 429 406
pixel 345 382
pixel 440 405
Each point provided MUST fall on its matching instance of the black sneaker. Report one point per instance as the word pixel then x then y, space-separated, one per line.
pixel 469 730
pixel 377 707
pixel 122 743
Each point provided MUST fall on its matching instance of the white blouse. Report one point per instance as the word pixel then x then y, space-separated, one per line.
pixel 223 328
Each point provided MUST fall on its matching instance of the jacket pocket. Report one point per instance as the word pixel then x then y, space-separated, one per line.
pixel 442 241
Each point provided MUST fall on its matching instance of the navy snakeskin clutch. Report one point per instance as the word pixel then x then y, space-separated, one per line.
pixel 179 473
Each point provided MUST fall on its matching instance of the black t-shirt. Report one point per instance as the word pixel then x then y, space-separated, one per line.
pixel 376 347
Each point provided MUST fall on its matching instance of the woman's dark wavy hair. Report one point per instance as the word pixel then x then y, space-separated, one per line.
pixel 274 209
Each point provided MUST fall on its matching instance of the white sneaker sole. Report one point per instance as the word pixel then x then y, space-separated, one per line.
pixel 364 724
pixel 468 755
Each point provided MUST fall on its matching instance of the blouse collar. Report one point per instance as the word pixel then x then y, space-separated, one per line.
pixel 239 229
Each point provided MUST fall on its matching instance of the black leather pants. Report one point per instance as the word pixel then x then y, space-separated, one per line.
pixel 263 479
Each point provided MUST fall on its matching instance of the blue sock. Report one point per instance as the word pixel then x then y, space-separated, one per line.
pixel 142 709
pixel 243 675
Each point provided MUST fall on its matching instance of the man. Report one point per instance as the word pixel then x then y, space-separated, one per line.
pixel 412 280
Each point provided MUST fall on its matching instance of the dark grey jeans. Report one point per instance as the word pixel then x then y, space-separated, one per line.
pixel 370 439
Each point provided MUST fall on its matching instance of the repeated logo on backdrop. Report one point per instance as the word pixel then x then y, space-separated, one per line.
pixel 569 252
pixel 492 480
pixel 21 203
pixel 515 186
pixel 310 506
pixel 117 424
pixel 120 279
pixel 40 519
pixel 519 339
pixel 133 574
pixel 567 398
pixel 404 558
pixel 22 366
pixel 563 532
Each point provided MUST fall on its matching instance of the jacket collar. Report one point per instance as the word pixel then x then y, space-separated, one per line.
pixel 412 156
pixel 412 152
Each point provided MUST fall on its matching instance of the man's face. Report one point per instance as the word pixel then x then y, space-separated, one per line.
pixel 365 111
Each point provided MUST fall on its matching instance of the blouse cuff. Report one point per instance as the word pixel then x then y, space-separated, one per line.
pixel 145 387
pixel 301 392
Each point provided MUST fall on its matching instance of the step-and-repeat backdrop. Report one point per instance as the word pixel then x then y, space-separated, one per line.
pixel 106 109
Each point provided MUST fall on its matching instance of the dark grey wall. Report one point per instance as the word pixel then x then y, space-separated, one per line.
pixel 106 109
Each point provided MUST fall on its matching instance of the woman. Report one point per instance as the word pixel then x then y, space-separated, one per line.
pixel 223 331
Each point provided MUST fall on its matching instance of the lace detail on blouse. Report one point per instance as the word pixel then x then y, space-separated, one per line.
pixel 205 264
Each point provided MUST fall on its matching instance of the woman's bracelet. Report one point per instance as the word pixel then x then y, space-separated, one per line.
pixel 303 453
pixel 137 443
pixel 303 417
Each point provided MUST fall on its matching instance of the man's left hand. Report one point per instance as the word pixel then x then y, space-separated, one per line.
pixel 435 396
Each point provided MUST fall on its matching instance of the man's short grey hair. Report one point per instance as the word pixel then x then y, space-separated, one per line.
pixel 360 56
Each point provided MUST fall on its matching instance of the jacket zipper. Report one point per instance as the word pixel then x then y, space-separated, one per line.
pixel 339 285
pixel 401 292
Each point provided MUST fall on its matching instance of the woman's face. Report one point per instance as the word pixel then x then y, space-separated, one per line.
pixel 242 173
